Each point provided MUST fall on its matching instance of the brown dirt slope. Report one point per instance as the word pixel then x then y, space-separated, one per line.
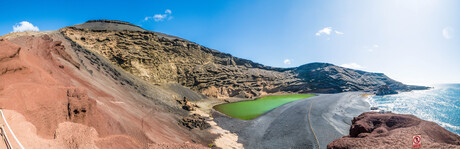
pixel 388 130
pixel 56 91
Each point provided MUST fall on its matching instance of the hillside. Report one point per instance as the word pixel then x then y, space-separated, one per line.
pixel 56 94
pixel 112 84
pixel 160 59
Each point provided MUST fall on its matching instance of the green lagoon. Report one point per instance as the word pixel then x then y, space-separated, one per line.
pixel 248 110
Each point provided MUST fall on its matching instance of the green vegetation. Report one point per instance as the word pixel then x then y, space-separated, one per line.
pixel 247 110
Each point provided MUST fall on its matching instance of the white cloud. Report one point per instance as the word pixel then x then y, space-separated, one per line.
pixel 352 66
pixel 371 48
pixel 168 11
pixel 287 61
pixel 161 17
pixel 24 26
pixel 338 32
pixel 447 32
pixel 326 30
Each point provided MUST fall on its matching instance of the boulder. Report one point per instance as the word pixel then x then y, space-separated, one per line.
pixel 186 105
pixel 390 130
pixel 194 121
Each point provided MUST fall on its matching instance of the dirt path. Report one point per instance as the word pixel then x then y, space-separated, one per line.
pixel 288 126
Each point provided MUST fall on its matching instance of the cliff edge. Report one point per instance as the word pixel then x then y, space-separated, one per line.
pixel 163 59
pixel 389 130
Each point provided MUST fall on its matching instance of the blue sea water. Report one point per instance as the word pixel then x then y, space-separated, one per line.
pixel 440 105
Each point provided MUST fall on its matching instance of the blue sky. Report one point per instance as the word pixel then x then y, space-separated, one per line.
pixel 413 41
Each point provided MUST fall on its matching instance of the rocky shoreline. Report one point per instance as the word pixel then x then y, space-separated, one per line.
pixel 330 116
pixel 390 130
pixel 340 120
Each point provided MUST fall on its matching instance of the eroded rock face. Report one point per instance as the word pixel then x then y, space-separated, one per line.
pixel 36 88
pixel 160 58
pixel 380 124
pixel 389 130
pixel 79 105
pixel 52 85
pixel 186 105
pixel 194 121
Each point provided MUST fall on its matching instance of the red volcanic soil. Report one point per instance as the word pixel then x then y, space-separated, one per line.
pixel 388 130
pixel 52 100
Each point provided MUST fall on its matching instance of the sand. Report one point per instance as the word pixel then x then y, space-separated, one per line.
pixel 288 126
pixel 226 139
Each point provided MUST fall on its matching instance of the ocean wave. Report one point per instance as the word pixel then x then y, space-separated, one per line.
pixel 443 124
pixel 440 105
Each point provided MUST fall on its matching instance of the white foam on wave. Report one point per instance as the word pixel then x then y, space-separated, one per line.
pixel 370 101
pixel 434 105
pixel 443 124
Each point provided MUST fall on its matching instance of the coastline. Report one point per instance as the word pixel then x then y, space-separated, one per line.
pixel 341 113
pixel 329 117
pixel 438 104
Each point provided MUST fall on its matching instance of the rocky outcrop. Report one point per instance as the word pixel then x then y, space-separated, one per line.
pixel 389 130
pixel 59 49
pixel 186 105
pixel 79 105
pixel 385 90
pixel 194 121
pixel 160 60
pixel 324 77
pixel 163 59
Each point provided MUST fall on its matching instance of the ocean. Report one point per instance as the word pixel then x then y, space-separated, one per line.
pixel 440 105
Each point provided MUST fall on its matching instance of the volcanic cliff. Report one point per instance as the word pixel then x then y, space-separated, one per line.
pixel 56 94
pixel 112 84
pixel 160 59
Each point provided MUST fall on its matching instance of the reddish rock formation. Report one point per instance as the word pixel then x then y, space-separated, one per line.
pixel 57 95
pixel 389 130
pixel 79 105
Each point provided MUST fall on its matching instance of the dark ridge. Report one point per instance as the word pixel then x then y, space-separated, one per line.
pixel 109 25
pixel 112 21
pixel 115 25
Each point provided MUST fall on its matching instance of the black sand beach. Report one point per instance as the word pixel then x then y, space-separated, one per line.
pixel 291 125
